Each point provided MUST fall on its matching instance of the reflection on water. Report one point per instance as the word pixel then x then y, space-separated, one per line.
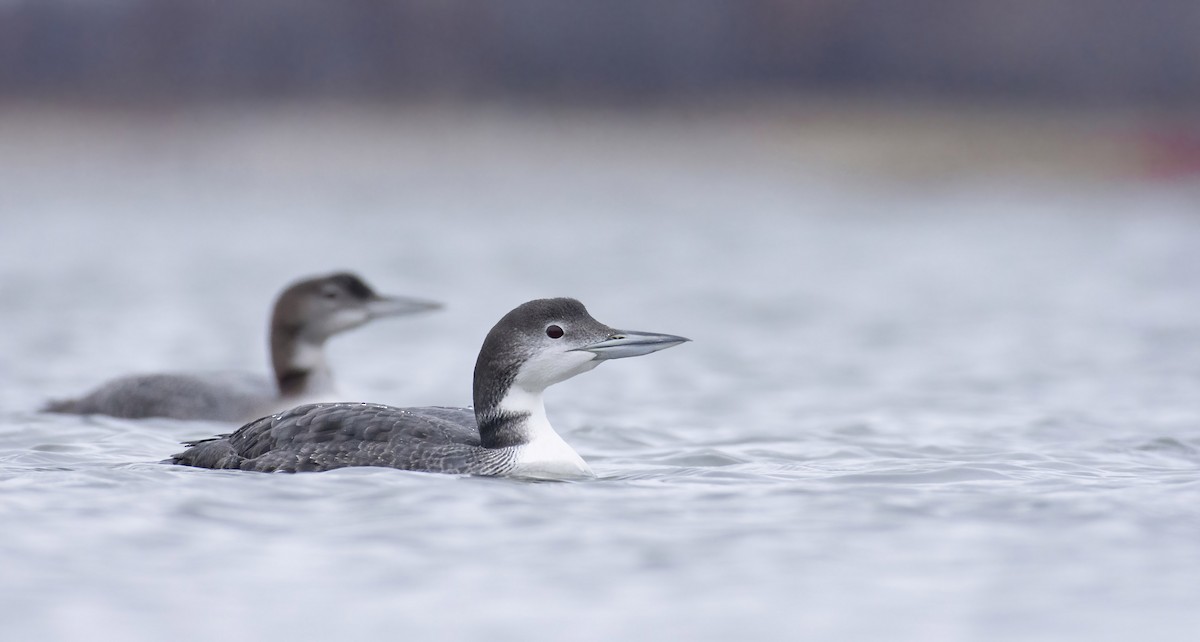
pixel 915 410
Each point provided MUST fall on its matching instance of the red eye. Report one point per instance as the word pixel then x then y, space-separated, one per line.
pixel 554 332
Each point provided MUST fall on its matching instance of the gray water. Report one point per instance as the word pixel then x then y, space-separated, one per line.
pixel 945 410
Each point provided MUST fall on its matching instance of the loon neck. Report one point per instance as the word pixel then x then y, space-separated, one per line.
pixel 299 364
pixel 519 423
pixel 516 419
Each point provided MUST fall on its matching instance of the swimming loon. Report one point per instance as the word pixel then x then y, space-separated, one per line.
pixel 306 314
pixel 538 344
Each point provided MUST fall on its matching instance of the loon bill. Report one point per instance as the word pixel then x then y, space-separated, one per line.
pixel 306 314
pixel 536 345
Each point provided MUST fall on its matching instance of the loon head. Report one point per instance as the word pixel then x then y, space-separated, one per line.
pixel 539 344
pixel 314 309
pixel 310 311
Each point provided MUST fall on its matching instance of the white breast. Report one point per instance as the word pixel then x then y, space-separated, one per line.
pixel 549 457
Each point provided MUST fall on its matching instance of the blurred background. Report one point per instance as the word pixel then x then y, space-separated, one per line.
pixel 1076 57
pixel 1096 88
pixel 1058 51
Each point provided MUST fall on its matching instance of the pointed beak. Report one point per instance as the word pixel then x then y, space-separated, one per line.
pixel 394 306
pixel 631 343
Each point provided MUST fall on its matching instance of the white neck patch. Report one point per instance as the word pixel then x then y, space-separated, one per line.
pixel 311 357
pixel 545 455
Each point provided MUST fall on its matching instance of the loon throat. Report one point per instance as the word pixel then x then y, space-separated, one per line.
pixel 301 369
pixel 520 424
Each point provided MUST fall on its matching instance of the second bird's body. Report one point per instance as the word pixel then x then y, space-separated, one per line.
pixel 305 315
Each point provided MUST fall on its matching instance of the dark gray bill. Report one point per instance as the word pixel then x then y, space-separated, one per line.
pixel 391 306
pixel 630 343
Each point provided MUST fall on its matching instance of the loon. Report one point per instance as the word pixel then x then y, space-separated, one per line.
pixel 536 345
pixel 306 314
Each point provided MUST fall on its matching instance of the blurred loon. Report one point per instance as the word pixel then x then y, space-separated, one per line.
pixel 536 345
pixel 306 314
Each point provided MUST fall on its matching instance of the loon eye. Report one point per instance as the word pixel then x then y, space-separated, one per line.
pixel 330 294
pixel 554 332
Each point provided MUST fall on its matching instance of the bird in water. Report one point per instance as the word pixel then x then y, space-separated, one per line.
pixel 306 314
pixel 536 345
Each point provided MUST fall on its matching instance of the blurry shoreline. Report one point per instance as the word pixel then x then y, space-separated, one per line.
pixel 891 139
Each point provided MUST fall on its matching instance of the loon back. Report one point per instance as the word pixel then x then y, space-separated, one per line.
pixel 212 396
pixel 328 436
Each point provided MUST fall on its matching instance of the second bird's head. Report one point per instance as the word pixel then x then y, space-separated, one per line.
pixel 315 309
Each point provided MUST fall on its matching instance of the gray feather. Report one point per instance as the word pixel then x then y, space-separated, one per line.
pixel 319 437
pixel 216 396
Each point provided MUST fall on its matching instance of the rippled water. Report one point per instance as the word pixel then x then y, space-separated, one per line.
pixel 964 411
